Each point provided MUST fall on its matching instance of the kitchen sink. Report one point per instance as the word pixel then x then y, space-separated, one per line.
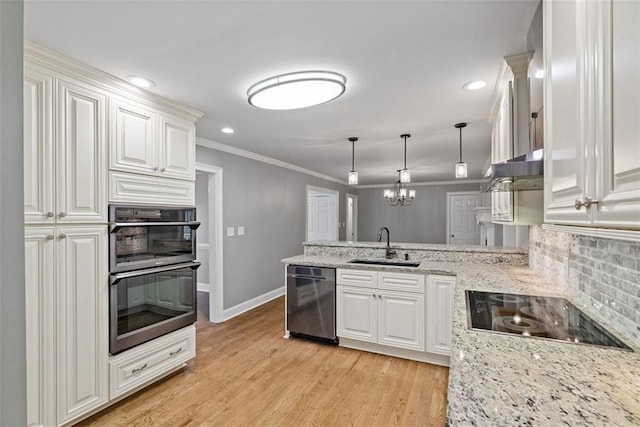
pixel 397 263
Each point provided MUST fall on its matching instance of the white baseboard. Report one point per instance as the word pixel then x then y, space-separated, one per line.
pixel 243 307
pixel 203 287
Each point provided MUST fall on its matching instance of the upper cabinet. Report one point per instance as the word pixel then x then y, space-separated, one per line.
pixel 592 123
pixel 65 170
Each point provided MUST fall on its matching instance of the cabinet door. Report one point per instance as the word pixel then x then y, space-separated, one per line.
pixel 401 320
pixel 356 313
pixel 82 320
pixel 439 313
pixel 177 158
pixel 619 119
pixel 80 154
pixel 132 137
pixel 568 129
pixel 40 295
pixel 38 147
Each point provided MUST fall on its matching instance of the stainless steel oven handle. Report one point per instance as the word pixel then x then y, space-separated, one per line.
pixel 303 276
pixel 115 226
pixel 115 278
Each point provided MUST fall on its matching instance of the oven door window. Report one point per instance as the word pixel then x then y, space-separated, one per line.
pixel 145 305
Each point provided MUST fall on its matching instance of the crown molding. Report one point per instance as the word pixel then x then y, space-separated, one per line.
pixel 203 142
pixel 426 184
pixel 65 66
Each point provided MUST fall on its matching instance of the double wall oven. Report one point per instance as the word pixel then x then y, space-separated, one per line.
pixel 152 267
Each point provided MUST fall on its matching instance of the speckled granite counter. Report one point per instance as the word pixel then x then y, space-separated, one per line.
pixel 502 380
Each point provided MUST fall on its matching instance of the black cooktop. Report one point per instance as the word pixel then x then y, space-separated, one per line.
pixel 536 316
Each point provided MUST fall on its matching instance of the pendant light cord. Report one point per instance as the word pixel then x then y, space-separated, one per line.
pixel 405 151
pixel 353 155
pixel 461 145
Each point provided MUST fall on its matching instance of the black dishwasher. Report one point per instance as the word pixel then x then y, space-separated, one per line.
pixel 311 302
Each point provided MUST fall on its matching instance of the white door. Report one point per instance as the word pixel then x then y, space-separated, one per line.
pixel 38 148
pixel 321 218
pixel 40 295
pixel 132 137
pixel 356 313
pixel 462 226
pixel 439 313
pixel 82 320
pixel 81 154
pixel 352 217
pixel 401 320
pixel 177 154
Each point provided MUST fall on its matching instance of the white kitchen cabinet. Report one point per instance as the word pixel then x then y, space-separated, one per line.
pixel 382 307
pixel 40 294
pixel 65 173
pixel 592 103
pixel 82 320
pixel 502 150
pixel 440 291
pixel 144 140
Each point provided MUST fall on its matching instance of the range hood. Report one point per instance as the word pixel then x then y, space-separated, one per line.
pixel 518 174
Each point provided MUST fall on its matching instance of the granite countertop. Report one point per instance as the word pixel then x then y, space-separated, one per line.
pixel 506 380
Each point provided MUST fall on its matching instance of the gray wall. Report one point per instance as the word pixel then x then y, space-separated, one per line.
pixel 270 202
pixel 202 236
pixel 425 221
pixel 13 398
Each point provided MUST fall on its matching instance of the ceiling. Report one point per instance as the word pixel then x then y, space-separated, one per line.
pixel 405 64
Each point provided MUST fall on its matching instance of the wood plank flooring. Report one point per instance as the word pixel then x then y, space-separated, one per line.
pixel 246 374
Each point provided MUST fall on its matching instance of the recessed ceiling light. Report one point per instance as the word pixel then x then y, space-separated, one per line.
pixel 227 130
pixel 474 85
pixel 297 90
pixel 140 81
pixel 539 74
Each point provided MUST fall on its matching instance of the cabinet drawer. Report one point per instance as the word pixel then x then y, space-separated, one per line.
pixel 134 188
pixel 401 281
pixel 357 278
pixel 150 360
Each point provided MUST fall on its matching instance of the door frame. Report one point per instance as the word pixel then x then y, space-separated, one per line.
pixel 336 202
pixel 456 193
pixel 354 219
pixel 216 260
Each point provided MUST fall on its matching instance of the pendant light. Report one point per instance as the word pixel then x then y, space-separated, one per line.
pixel 353 175
pixel 405 174
pixel 461 167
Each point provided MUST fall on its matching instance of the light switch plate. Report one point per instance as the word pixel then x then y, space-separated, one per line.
pixel 241 230
pixel 231 231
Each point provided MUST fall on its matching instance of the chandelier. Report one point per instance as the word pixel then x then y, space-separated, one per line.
pixel 399 195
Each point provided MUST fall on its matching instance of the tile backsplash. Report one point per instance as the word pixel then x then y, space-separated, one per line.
pixel 602 274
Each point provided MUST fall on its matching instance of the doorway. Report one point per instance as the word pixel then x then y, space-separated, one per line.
pixel 462 227
pixel 210 237
pixel 322 214
pixel 352 217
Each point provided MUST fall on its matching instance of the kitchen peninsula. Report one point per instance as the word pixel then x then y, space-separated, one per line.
pixel 496 378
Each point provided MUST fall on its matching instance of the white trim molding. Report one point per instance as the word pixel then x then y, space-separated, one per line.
pixel 243 307
pixel 427 184
pixel 203 142
pixel 604 233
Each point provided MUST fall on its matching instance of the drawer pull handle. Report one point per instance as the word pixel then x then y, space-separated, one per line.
pixel 173 353
pixel 140 369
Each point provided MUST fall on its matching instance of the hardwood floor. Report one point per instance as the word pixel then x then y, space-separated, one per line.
pixel 246 374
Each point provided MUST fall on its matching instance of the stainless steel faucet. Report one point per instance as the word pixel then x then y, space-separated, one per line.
pixel 389 253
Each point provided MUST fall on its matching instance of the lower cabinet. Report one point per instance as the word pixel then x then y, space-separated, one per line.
pixel 439 313
pixel 67 322
pixel 372 311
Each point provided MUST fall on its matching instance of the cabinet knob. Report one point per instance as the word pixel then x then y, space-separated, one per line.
pixel 453 235
pixel 62 214
pixel 155 169
pixel 62 236
pixel 50 237
pixel 587 202
pixel 50 214
pixel 163 169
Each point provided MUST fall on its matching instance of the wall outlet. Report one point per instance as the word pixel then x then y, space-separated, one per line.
pixel 241 230
pixel 231 231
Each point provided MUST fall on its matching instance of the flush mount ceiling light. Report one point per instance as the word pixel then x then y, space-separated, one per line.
pixel 297 90
pixel 353 175
pixel 227 130
pixel 474 85
pixel 461 167
pixel 140 81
